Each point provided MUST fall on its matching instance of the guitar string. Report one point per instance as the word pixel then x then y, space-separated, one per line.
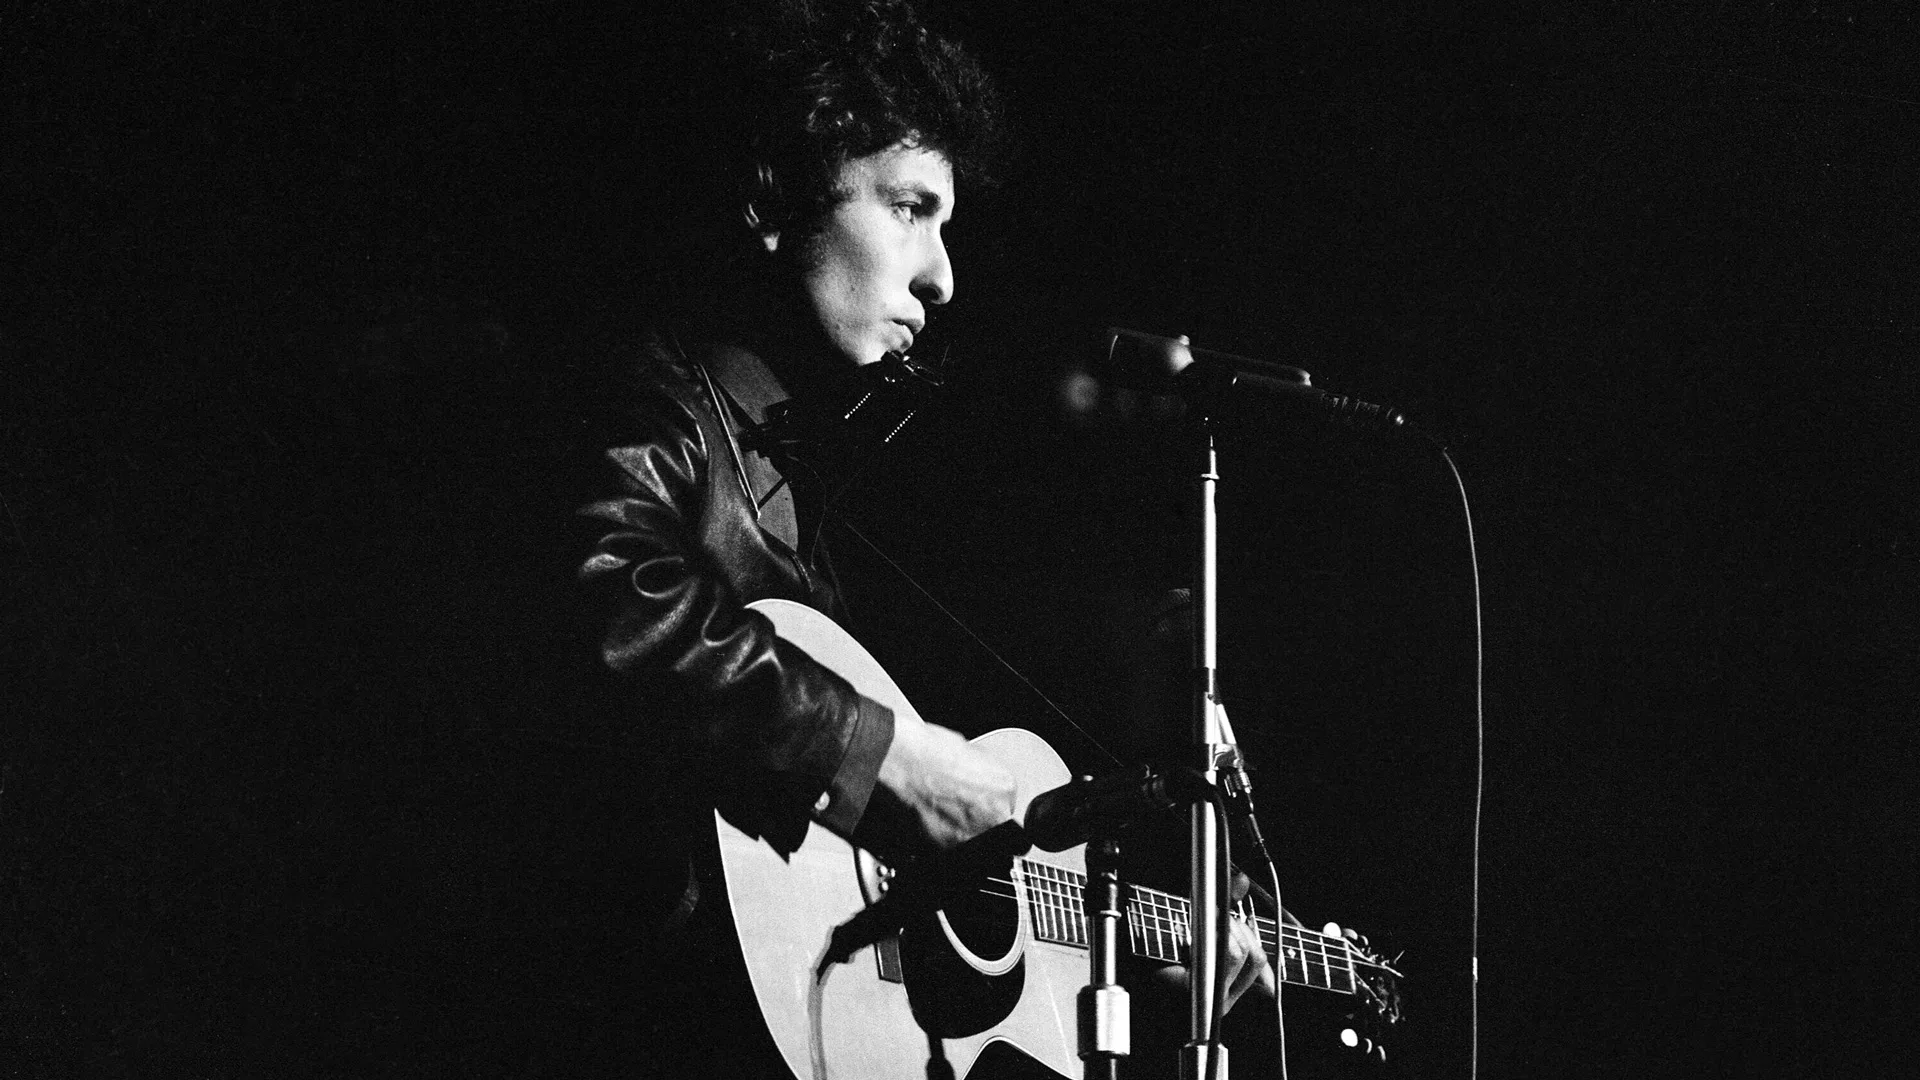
pixel 1047 892
pixel 1061 922
pixel 1335 976
pixel 1048 888
pixel 1162 909
pixel 1298 969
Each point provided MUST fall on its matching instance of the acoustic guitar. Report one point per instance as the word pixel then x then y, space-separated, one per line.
pixel 1000 962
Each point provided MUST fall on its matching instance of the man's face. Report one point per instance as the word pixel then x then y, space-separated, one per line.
pixel 878 260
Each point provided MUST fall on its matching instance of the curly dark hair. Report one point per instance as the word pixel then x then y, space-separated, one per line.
pixel 835 80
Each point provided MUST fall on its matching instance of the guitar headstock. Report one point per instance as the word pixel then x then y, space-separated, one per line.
pixel 1378 979
pixel 1377 982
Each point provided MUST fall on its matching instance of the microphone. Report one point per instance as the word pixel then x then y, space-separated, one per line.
pixel 1221 382
pixel 1073 812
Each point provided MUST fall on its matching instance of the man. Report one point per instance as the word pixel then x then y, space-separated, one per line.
pixel 849 263
pixel 861 128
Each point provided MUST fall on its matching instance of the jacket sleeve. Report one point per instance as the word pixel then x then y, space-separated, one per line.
pixel 679 633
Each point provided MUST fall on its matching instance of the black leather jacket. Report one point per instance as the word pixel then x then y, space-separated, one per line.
pixel 683 551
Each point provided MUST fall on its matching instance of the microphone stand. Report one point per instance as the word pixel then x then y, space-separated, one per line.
pixel 1211 744
pixel 1105 1019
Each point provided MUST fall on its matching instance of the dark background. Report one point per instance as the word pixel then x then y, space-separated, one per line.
pixel 295 314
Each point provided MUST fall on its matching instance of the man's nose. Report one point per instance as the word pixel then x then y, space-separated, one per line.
pixel 934 283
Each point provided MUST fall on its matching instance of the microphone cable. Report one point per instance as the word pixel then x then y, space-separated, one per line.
pixel 1265 857
pixel 1479 763
pixel 1279 948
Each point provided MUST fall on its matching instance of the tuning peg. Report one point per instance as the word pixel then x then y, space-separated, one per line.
pixel 1357 1041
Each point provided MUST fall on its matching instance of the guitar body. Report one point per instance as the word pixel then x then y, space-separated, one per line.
pixel 1002 960
pixel 948 986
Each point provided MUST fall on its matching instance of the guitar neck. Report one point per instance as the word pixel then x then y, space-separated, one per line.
pixel 1158 929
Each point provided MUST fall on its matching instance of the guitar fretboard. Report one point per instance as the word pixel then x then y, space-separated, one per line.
pixel 1158 928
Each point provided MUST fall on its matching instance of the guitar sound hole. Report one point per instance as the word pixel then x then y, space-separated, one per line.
pixel 986 920
pixel 964 973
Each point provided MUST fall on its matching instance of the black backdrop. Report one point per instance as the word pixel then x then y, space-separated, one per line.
pixel 294 314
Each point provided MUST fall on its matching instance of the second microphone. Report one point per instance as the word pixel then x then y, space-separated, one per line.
pixel 1073 812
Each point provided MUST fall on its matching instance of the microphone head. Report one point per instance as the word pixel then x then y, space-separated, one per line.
pixel 1222 384
pixel 1154 360
pixel 1142 360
